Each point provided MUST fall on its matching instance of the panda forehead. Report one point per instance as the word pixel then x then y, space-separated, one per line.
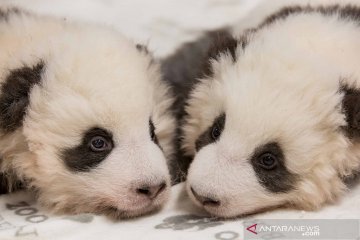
pixel 220 60
pixel 260 115
pixel 108 91
pixel 110 63
pixel 113 76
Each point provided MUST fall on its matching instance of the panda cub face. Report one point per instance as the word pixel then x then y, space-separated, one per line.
pixel 95 121
pixel 95 133
pixel 268 126
pixel 253 150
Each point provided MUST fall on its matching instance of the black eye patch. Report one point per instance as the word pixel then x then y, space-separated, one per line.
pixel 96 145
pixel 268 162
pixel 212 134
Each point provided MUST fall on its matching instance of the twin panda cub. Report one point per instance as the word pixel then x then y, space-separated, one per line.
pixel 84 117
pixel 270 115
pixel 267 118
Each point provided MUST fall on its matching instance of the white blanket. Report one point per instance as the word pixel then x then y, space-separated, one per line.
pixel 160 24
pixel 22 218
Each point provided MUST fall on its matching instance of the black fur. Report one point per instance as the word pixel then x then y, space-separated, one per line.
pixel 188 64
pixel 4 186
pixel 191 62
pixel 347 12
pixel 15 93
pixel 278 180
pixel 9 183
pixel 206 138
pixel 223 43
pixel 183 70
pixel 351 109
pixel 81 158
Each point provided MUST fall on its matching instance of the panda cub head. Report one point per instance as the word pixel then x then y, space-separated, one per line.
pixel 84 117
pixel 274 121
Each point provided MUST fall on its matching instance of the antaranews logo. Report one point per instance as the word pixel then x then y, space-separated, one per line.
pixel 252 228
pixel 305 230
pixel 302 229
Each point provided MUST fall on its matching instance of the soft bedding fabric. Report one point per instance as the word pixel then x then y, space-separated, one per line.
pixel 162 25
pixel 22 218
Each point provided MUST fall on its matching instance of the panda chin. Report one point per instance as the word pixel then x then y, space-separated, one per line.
pixel 227 212
pixel 138 208
pixel 117 214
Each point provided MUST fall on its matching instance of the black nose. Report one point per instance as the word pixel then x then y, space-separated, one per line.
pixel 206 200
pixel 151 191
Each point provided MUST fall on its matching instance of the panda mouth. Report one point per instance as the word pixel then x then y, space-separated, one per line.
pixel 128 209
pixel 116 213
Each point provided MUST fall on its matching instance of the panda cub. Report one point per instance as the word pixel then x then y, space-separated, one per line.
pixel 273 116
pixel 84 118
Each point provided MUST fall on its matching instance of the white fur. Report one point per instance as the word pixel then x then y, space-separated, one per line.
pixel 284 87
pixel 93 77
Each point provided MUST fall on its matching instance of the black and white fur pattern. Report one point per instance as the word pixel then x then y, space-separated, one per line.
pixel 272 118
pixel 182 70
pixel 84 117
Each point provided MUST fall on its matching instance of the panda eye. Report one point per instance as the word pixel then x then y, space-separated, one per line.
pixel 212 133
pixel 215 132
pixel 99 144
pixel 268 161
pixel 217 127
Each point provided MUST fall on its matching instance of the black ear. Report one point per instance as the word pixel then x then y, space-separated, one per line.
pixel 15 93
pixel 222 42
pixel 351 109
